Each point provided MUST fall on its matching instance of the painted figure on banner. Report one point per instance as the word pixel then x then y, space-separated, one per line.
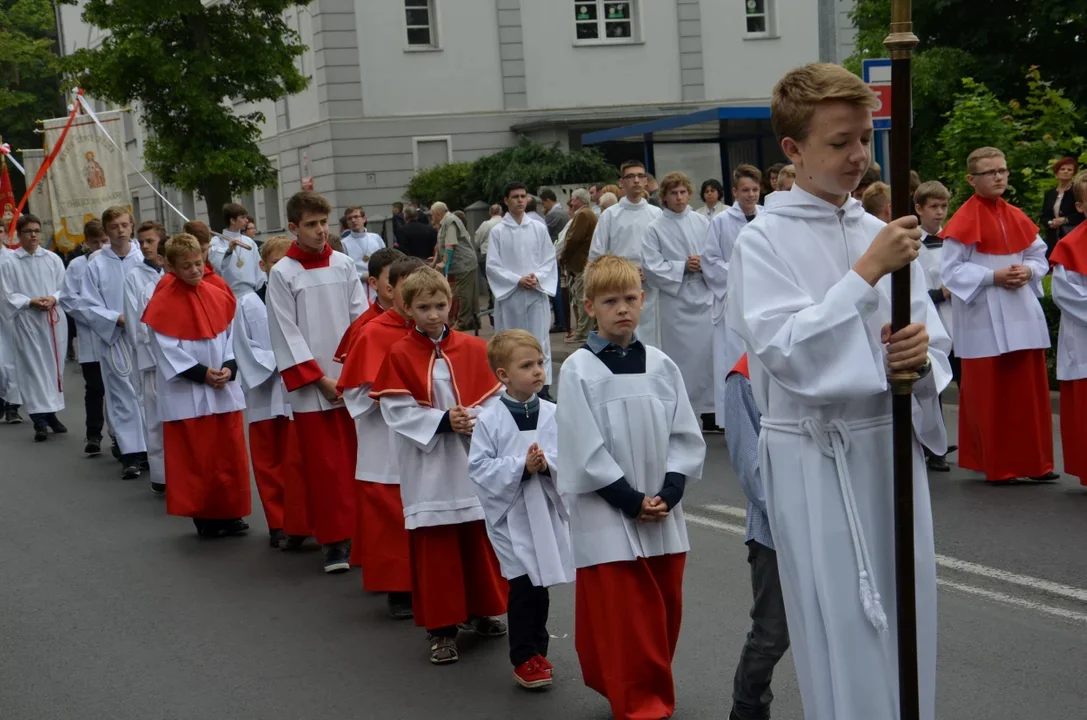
pixel 96 176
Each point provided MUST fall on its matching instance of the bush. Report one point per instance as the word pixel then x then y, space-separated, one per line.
pixel 536 165
pixel 449 183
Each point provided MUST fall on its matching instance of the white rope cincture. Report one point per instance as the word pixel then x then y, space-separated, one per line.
pixel 5 150
pixel 833 440
pixel 87 108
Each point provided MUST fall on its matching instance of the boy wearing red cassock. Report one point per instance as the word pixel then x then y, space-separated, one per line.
pixel 381 540
pixel 190 332
pixel 430 388
pixel 993 263
pixel 1069 260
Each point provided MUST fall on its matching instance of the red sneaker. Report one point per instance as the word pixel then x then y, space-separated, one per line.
pixel 545 663
pixel 531 675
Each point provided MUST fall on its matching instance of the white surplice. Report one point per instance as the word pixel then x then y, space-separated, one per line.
pixel 931 259
pixel 620 231
pixel 1070 294
pixel 240 267
pixel 9 386
pixel 728 346
pixel 71 302
pixel 515 252
pixel 527 521
pixel 434 482
pixel 308 313
pixel 183 399
pixel 377 459
pixel 637 426
pixel 39 339
pixel 990 320
pixel 140 284
pixel 818 372
pixel 359 247
pixel 265 394
pixel 685 300
pixel 104 301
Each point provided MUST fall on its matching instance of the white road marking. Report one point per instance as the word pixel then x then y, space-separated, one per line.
pixel 1003 599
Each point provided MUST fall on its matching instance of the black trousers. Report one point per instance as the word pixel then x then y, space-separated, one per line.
pixel 767 641
pixel 527 615
pixel 94 398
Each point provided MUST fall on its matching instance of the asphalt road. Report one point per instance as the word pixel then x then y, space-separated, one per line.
pixel 111 610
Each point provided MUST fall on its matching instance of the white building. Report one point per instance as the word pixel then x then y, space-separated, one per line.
pixel 400 85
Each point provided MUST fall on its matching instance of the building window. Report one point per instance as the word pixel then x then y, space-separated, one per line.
pixel 604 21
pixel 420 17
pixel 427 152
pixel 758 17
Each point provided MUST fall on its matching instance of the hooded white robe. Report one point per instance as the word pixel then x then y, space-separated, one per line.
pixel 527 520
pixel 71 302
pixel 39 339
pixel 728 347
pixel 931 259
pixel 685 300
pixel 240 268
pixel 265 394
pixel 515 252
pixel 818 372
pixel 140 284
pixel 9 386
pixel 359 247
pixel 620 231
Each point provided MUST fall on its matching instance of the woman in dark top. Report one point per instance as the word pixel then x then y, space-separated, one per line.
pixel 1059 213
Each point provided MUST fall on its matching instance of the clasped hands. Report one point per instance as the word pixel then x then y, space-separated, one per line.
pixel 528 282
pixel 217 379
pixel 653 510
pixel 43 303
pixel 461 420
pixel 1013 276
pixel 535 461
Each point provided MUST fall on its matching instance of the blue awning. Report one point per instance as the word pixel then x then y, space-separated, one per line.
pixel 677 121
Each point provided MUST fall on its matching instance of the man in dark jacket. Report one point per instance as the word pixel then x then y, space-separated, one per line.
pixel 417 239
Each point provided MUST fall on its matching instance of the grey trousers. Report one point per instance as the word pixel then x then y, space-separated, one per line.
pixel 766 642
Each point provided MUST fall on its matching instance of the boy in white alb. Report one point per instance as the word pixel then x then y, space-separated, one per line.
pixel 527 520
pixel 728 348
pixel 523 274
pixel 234 254
pixel 104 305
pixel 430 387
pixel 273 441
pixel 671 256
pixel 360 244
pixel 314 295
pixel 810 296
pixel 628 443
pixel 140 285
pixel 621 230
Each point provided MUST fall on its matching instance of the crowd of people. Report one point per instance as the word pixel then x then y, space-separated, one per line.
pixel 439 463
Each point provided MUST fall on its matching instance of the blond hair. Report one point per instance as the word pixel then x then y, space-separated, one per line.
pixel 613 189
pixel 876 197
pixel 611 274
pixel 789 171
pixel 1079 187
pixel 275 245
pixel 795 97
pixel 747 171
pixel 673 180
pixel 500 347
pixel 982 153
pixel 424 281
pixel 931 190
pixel 180 247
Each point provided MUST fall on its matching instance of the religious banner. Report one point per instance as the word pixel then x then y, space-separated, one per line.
pixel 88 175
pixel 7 197
pixel 39 203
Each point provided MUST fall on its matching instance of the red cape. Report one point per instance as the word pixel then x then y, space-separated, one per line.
pixel 1071 250
pixel 370 347
pixel 189 312
pixel 310 260
pixel 214 278
pixel 409 369
pixel 354 329
pixel 996 227
pixel 741 367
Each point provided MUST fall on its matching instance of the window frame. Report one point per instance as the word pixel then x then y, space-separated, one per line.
pixel 433 14
pixel 601 25
pixel 769 14
pixel 430 138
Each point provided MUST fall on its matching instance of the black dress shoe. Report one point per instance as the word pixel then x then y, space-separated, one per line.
pixel 400 606
pixel 938 463
pixel 1049 477
pixel 93 446
pixel 130 472
pixel 56 425
pixel 275 538
pixel 41 432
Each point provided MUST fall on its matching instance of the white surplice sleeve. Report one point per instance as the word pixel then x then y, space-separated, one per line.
pixel 58 277
pixel 714 265
pixel 928 416
pixel 357 300
pixel 100 318
pixel 585 465
pixel 822 352
pixel 1070 293
pixel 599 244
pixel 288 342
pixel 217 252
pixel 70 298
pixel 686 446
pixel 497 477
pixel 666 275
pixel 358 401
pixel 1035 259
pixel 13 301
pixel 547 437
pixel 502 279
pixel 412 421
pixel 547 272
pixel 256 363
pixel 963 278
pixel 170 358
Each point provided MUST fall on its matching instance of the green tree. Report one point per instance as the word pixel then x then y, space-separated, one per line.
pixel 536 165
pixel 29 75
pixel 450 183
pixel 183 61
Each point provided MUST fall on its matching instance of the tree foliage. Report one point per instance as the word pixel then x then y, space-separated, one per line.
pixel 450 183
pixel 29 75
pixel 183 62
pixel 536 165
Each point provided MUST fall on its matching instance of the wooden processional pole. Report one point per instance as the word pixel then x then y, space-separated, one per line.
pixel 901 41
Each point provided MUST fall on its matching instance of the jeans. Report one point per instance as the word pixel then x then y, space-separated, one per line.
pixel 527 615
pixel 766 642
pixel 94 397
pixel 559 307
